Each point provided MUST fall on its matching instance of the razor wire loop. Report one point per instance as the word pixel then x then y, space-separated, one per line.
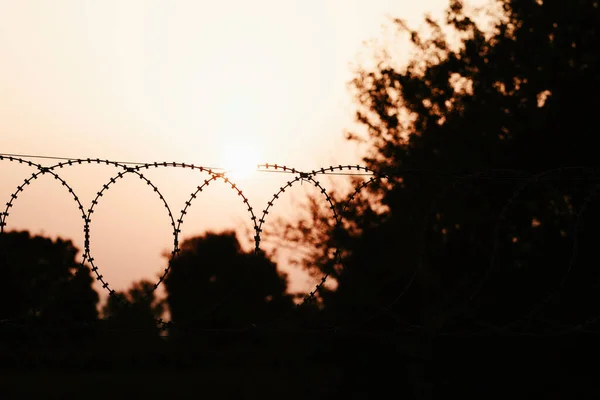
pixel 300 175
pixel 539 304
pixel 332 169
pixel 576 226
pixel 20 188
pixel 378 176
pixel 214 177
pixel 456 183
pixel 501 217
pixel 532 179
pixel 87 255
pixel 470 179
pixel 323 171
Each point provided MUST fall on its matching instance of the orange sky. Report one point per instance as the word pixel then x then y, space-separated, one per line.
pixel 176 81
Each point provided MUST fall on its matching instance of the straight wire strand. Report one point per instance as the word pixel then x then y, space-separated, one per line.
pixel 258 169
pixel 84 158
pixel 324 173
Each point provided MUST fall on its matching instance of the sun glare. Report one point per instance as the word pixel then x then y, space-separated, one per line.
pixel 240 162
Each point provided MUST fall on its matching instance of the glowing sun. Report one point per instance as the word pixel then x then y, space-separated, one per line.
pixel 240 162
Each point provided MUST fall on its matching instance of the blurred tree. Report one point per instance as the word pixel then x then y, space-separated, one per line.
pixel 43 284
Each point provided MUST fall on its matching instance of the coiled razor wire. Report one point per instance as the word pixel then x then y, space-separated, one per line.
pixel 126 168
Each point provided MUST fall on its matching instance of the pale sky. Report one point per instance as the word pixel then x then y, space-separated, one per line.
pixel 185 81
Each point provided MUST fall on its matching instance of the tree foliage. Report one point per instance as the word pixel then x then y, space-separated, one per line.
pixel 138 309
pixel 43 284
pixel 214 284
pixel 462 226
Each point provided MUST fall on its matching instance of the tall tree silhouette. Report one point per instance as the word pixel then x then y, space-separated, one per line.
pixel 493 248
pixel 480 226
pixel 44 285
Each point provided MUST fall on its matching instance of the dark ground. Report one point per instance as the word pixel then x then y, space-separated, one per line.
pixel 563 367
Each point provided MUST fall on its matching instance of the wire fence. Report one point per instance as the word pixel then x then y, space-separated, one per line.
pixel 258 217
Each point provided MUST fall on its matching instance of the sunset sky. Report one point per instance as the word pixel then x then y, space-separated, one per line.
pixel 187 81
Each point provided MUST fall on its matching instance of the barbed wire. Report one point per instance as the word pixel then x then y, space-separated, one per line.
pixel 337 213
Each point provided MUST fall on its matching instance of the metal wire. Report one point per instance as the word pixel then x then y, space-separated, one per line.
pixel 219 174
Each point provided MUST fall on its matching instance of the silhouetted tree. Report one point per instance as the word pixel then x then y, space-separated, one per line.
pixel 136 310
pixel 512 97
pixel 214 284
pixel 497 251
pixel 43 285
pixel 224 303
